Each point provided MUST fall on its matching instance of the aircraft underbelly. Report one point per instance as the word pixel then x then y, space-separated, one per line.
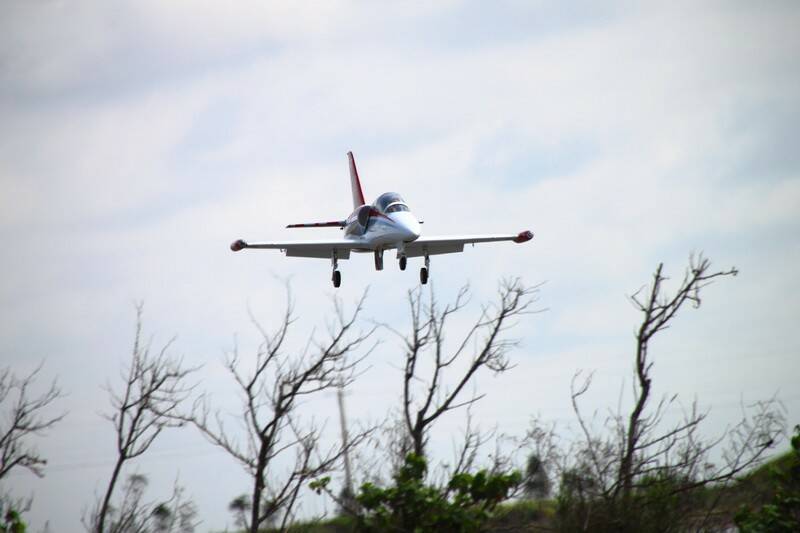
pixel 384 237
pixel 325 253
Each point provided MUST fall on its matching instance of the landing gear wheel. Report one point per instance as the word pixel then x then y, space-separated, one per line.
pixel 423 275
pixel 403 261
pixel 337 278
pixel 378 260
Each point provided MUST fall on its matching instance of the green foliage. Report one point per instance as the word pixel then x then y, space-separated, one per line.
pixel 410 505
pixel 12 522
pixel 318 485
pixel 782 513
pixel 655 504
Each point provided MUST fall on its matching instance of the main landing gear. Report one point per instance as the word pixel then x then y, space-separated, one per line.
pixel 423 272
pixel 337 276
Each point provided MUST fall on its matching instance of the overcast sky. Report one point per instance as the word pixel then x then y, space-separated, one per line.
pixel 138 139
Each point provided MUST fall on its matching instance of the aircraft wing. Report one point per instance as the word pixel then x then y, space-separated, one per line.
pixel 455 243
pixel 321 248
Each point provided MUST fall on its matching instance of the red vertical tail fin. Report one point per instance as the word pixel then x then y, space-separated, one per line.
pixel 355 183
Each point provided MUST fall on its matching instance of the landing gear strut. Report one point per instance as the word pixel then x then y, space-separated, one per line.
pixel 423 272
pixel 378 259
pixel 337 276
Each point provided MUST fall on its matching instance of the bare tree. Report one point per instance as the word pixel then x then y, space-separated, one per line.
pixel 658 310
pixel 130 516
pixel 438 378
pixel 134 514
pixel 639 471
pixel 175 515
pixel 154 387
pixel 431 390
pixel 272 392
pixel 24 417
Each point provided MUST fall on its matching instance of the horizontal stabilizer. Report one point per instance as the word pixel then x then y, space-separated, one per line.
pixel 331 224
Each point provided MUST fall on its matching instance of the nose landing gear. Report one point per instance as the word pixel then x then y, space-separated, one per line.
pixel 378 259
pixel 401 255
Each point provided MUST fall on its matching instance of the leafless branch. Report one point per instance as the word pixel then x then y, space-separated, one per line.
pixel 631 454
pixel 25 417
pixel 155 385
pixel 658 310
pixel 272 392
pixel 425 396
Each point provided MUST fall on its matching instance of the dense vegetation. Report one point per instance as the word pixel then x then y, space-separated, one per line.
pixel 765 500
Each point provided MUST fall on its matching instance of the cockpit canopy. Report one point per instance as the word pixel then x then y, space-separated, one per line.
pixel 390 202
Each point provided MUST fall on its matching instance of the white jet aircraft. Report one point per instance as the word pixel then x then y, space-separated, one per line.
pixel 386 224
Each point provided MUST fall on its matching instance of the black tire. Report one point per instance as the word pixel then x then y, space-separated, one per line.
pixel 378 261
pixel 403 262
pixel 423 275
pixel 337 278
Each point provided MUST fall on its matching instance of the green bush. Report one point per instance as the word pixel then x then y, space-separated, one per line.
pixel 782 513
pixel 410 505
pixel 12 522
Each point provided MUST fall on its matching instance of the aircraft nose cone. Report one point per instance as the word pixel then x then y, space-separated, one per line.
pixel 413 229
pixel 408 225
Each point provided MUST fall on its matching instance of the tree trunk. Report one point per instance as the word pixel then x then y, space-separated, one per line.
pixel 101 518
pixel 258 489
